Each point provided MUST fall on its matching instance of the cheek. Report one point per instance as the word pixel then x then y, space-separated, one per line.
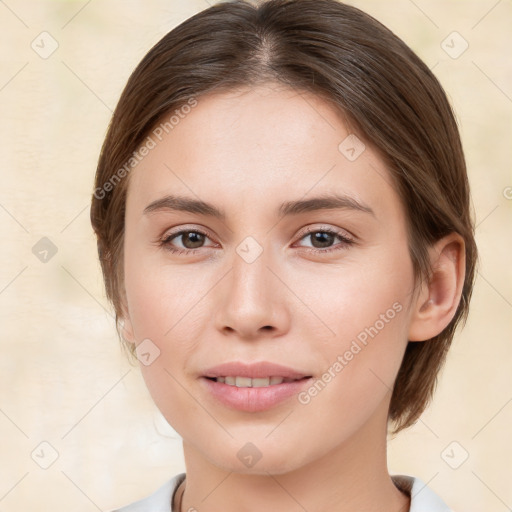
pixel 359 297
pixel 365 308
pixel 165 305
pixel 162 299
pixel 360 364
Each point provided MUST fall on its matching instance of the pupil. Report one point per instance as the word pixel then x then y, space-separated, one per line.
pixel 196 239
pixel 323 238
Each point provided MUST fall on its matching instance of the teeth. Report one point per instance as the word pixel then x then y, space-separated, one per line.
pixel 247 382
pixel 260 383
pixel 243 382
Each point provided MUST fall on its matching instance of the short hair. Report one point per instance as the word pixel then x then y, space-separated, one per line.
pixel 356 64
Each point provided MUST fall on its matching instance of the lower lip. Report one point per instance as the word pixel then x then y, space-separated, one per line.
pixel 254 399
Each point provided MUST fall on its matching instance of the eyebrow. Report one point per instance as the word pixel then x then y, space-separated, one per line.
pixel 324 202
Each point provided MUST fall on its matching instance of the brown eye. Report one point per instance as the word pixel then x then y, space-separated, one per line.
pixel 185 241
pixel 191 239
pixel 323 240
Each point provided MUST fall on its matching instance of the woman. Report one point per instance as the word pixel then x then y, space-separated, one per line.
pixel 283 222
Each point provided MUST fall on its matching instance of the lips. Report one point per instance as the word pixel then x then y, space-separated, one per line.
pixel 253 387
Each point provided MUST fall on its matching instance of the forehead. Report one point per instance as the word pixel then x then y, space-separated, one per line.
pixel 253 145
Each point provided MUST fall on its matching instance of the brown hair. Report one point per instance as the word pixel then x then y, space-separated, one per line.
pixel 370 75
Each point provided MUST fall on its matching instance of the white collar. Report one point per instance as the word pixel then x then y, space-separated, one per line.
pixel 423 498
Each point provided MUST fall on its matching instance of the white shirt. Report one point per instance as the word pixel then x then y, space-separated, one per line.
pixel 423 499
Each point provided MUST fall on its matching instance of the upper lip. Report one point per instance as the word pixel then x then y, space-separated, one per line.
pixel 257 370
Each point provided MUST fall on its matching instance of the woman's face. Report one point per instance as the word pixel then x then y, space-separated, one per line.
pixel 287 247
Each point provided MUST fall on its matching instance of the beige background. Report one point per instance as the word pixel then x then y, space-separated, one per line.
pixel 63 377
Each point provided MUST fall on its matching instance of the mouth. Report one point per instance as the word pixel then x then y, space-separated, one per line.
pixel 248 382
pixel 253 387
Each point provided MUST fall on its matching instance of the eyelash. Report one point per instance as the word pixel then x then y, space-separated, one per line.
pixel 345 241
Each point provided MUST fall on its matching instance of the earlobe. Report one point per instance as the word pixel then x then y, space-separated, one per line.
pixel 438 300
pixel 125 327
pixel 126 330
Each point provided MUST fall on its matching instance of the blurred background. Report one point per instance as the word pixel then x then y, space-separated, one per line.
pixel 78 430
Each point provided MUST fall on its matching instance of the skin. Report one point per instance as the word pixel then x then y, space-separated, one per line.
pixel 246 152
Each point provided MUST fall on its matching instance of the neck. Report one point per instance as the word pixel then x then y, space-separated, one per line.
pixel 353 476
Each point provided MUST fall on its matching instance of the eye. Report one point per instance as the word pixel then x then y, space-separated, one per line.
pixel 188 241
pixel 191 239
pixel 323 238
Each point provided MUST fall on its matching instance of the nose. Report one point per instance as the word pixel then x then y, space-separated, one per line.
pixel 251 301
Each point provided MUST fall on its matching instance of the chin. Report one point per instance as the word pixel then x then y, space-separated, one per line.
pixel 247 459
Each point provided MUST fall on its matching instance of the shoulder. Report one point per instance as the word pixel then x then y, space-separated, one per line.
pixel 159 501
pixel 423 498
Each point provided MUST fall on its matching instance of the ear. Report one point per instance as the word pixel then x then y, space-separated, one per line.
pixel 438 299
pixel 125 324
